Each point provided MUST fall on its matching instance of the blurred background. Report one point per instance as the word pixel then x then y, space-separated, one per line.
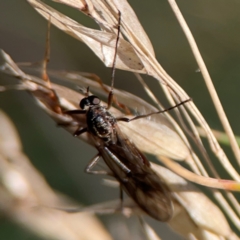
pixel 55 153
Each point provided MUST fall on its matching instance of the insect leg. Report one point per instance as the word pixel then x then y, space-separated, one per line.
pixel 52 94
pixel 47 56
pixel 125 119
pixel 121 198
pixel 80 131
pixel 78 111
pixel 93 163
pixel 110 96
pixel 119 163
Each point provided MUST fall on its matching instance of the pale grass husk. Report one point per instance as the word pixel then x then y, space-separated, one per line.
pixel 24 193
pixel 138 56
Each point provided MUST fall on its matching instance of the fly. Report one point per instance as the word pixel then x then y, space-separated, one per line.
pixel 127 163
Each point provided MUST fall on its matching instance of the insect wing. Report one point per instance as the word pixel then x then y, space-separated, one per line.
pixel 133 171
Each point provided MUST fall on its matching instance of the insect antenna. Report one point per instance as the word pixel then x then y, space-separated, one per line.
pixel 110 96
pixel 87 92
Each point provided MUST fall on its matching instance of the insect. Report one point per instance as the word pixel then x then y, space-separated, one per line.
pixel 126 162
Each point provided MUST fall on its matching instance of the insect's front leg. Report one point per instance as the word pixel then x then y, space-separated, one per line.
pixel 93 163
pixel 77 111
pixel 79 130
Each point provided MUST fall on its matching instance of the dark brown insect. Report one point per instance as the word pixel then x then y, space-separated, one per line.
pixel 126 162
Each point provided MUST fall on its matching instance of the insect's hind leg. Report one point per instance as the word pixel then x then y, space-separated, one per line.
pixel 93 163
pixel 121 208
pixel 121 199
pixel 52 94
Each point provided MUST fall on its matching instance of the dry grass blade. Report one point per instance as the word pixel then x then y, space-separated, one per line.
pixel 73 3
pixel 158 136
pixel 190 216
pixel 220 136
pixel 149 232
pixel 207 78
pixel 23 191
pixel 101 43
pixel 142 50
pixel 194 211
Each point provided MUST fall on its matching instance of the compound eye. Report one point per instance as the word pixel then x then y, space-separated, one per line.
pixel 94 100
pixel 89 101
pixel 84 102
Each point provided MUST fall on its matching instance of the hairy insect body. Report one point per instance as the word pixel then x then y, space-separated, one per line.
pixel 101 123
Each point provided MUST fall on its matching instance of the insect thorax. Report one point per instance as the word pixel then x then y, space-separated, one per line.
pixel 101 123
